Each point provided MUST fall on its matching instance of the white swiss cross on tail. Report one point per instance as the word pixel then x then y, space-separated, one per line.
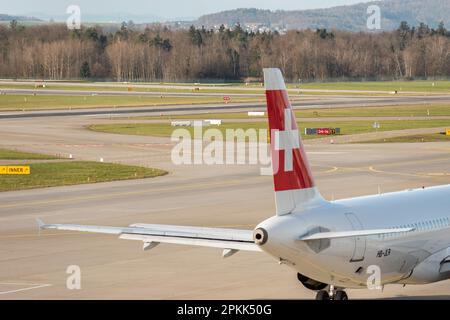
pixel 293 182
pixel 287 140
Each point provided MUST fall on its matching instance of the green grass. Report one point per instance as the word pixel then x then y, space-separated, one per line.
pixel 347 127
pixel 432 137
pixel 135 88
pixel 384 111
pixel 225 115
pixel 413 86
pixel 179 89
pixel 30 102
pixel 74 172
pixel 18 155
pixel 387 111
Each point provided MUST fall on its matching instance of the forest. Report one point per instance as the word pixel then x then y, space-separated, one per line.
pixel 158 53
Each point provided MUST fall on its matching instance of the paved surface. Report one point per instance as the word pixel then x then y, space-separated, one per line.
pixel 304 102
pixel 203 86
pixel 34 267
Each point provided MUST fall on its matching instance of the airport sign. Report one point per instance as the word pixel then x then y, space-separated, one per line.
pixel 322 131
pixel 15 170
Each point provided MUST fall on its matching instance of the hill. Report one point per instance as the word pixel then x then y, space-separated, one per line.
pixel 350 18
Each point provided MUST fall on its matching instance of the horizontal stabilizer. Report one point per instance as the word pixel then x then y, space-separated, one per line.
pixel 353 233
pixel 153 234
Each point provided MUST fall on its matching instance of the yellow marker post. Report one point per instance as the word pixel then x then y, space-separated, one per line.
pixel 447 132
pixel 15 170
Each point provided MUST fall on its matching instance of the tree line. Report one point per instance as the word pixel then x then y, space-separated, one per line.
pixel 158 53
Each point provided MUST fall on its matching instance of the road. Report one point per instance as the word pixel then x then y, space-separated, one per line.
pixel 33 266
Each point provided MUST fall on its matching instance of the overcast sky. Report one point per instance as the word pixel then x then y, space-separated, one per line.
pixel 163 8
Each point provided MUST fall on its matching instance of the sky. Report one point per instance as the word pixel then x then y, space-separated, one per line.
pixel 167 9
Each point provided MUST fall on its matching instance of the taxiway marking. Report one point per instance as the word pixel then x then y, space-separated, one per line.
pixel 31 287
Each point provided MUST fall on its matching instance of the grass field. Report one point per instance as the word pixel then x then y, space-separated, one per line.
pixel 74 172
pixel 225 90
pixel 388 111
pixel 225 115
pixel 30 102
pixel 135 88
pixel 385 111
pixel 347 127
pixel 413 86
pixel 400 85
pixel 432 137
pixel 18 155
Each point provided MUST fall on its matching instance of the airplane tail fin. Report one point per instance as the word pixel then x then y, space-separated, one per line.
pixel 293 181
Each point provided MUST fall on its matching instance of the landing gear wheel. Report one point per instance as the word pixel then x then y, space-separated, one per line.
pixel 340 295
pixel 322 295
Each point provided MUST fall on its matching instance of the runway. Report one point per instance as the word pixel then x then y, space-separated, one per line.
pixel 298 102
pixel 33 266
pixel 184 86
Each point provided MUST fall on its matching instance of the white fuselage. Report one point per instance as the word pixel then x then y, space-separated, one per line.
pixel 412 257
